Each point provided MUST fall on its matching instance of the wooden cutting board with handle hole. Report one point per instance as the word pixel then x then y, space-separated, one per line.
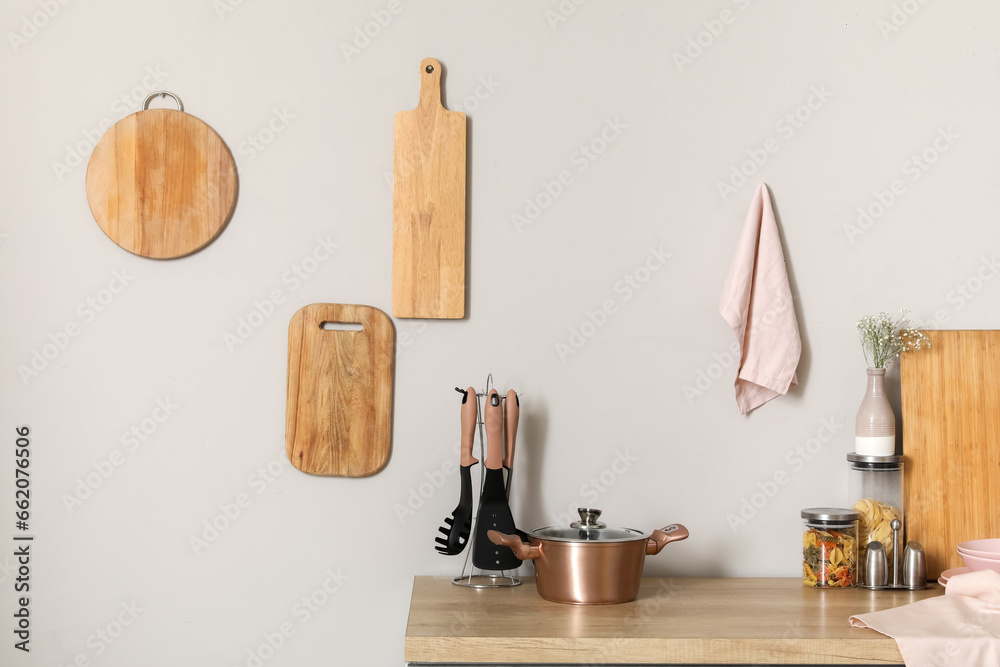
pixel 951 440
pixel 339 409
pixel 161 183
pixel 428 205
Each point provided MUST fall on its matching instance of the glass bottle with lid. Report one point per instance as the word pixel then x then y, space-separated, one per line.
pixel 830 547
pixel 875 491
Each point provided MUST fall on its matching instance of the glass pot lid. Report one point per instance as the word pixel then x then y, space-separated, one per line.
pixel 588 529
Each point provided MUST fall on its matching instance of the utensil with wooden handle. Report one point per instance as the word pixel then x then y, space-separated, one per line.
pixel 428 205
pixel 494 512
pixel 459 524
pixel 512 409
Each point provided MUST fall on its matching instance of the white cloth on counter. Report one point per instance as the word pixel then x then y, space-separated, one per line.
pixel 757 303
pixel 960 628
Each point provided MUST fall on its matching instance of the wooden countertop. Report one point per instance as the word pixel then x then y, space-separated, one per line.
pixel 674 620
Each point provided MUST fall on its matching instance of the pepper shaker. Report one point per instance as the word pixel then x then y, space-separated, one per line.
pixel 915 567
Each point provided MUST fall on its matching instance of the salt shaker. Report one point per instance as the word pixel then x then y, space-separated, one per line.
pixel 876 570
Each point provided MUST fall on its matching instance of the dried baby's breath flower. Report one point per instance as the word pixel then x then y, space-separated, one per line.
pixel 883 338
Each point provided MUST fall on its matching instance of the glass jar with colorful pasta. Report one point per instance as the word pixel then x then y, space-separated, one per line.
pixel 830 547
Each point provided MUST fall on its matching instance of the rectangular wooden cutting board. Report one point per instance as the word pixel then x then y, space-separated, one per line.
pixel 428 205
pixel 951 440
pixel 339 411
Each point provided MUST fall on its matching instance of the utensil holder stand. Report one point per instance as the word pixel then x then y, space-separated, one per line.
pixel 484 578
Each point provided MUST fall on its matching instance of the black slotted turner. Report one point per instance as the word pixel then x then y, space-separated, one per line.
pixel 459 524
pixel 494 512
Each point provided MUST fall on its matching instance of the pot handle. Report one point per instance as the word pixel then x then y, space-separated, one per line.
pixel 520 549
pixel 661 538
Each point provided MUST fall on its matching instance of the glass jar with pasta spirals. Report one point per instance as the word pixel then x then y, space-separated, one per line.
pixel 830 547
pixel 875 492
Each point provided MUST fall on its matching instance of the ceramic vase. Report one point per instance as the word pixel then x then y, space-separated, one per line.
pixel 875 426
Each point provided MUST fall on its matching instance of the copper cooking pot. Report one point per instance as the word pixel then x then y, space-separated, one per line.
pixel 587 562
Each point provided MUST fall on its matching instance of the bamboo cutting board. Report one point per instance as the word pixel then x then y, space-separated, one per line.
pixel 339 410
pixel 951 439
pixel 161 183
pixel 428 205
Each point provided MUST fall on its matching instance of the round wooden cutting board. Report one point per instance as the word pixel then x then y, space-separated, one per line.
pixel 161 183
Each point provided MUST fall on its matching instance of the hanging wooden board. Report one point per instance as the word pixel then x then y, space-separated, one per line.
pixel 339 410
pixel 428 205
pixel 161 183
pixel 951 440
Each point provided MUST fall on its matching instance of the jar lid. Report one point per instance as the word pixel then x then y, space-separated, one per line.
pixel 589 529
pixel 833 514
pixel 866 462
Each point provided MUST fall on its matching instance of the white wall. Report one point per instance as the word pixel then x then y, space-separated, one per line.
pixel 324 175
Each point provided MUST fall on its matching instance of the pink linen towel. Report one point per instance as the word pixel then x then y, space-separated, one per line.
pixel 960 628
pixel 757 303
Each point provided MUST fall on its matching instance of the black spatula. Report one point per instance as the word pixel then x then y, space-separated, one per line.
pixel 494 512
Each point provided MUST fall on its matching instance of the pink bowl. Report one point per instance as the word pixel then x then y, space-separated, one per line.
pixel 975 563
pixel 981 548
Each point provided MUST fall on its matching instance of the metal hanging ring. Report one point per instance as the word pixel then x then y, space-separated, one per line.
pixel 162 93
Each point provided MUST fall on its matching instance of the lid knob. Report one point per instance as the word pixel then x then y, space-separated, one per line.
pixel 588 519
